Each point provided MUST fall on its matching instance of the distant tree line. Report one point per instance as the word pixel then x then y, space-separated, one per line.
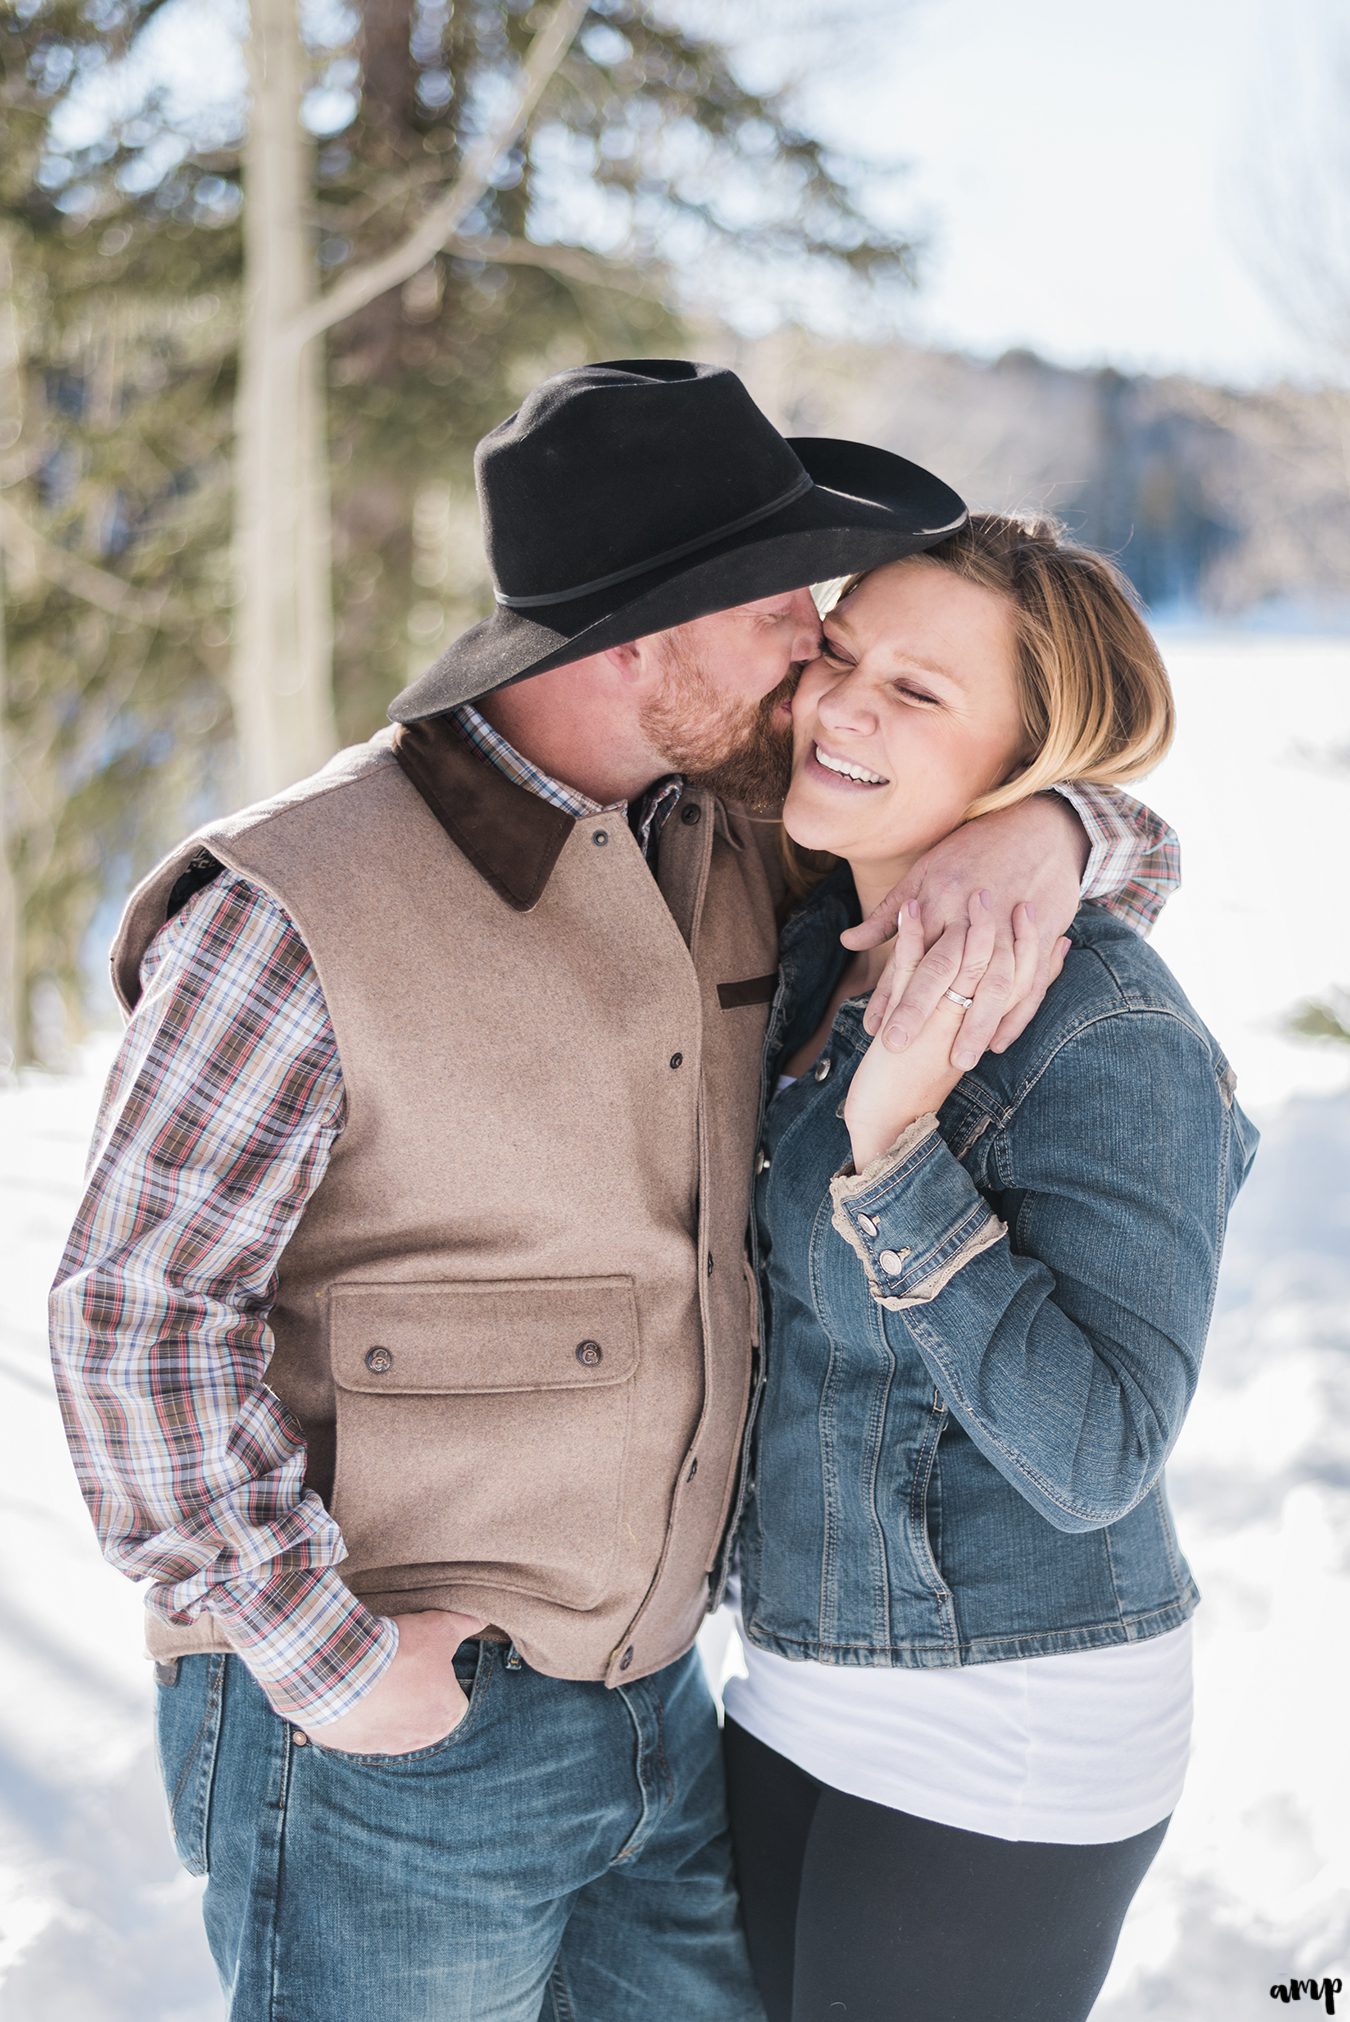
pixel 1212 500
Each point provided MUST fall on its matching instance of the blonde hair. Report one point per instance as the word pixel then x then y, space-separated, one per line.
pixel 1095 700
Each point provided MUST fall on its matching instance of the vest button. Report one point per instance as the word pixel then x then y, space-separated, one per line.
pixel 626 1658
pixel 589 1352
pixel 378 1360
pixel 690 814
pixel 676 1059
pixel 867 1225
pixel 891 1261
pixel 710 1264
pixel 693 1468
pixel 600 838
pixel 821 1069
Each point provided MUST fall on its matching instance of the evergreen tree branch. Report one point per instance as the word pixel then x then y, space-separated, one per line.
pixel 573 263
pixel 83 579
pixel 362 284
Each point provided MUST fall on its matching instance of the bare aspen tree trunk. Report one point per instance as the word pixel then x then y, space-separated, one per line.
pixel 281 668
pixel 13 1007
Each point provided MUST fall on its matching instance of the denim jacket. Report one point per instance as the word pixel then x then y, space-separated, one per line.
pixel 979 1351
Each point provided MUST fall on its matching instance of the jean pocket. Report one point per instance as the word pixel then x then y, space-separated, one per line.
pixel 187 1735
pixel 474 1661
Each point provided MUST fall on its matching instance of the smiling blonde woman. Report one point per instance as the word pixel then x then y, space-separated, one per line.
pixel 966 1616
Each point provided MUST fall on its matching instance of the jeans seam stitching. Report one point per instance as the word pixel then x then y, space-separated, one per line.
pixel 563 2011
pixel 190 1758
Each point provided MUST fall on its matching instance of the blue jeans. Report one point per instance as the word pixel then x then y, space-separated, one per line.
pixel 562 1857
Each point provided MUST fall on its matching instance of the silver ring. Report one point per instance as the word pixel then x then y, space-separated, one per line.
pixel 957 998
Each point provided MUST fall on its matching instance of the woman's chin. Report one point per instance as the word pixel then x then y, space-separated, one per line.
pixel 814 828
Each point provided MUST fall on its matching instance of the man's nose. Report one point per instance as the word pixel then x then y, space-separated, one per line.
pixel 806 641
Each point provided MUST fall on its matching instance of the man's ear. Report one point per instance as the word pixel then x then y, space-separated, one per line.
pixel 633 662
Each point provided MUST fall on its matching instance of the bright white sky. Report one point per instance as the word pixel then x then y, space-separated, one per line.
pixel 1100 179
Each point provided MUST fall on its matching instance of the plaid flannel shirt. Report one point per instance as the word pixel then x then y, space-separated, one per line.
pixel 216 1125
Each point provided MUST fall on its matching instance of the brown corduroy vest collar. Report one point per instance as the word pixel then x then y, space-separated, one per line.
pixel 511 836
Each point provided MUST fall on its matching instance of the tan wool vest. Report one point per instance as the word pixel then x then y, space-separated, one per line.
pixel 514 1323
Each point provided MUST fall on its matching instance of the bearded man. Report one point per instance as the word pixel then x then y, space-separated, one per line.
pixel 405 1336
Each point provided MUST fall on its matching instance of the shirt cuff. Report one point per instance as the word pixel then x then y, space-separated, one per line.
pixel 1134 858
pixel 913 1217
pixel 311 1644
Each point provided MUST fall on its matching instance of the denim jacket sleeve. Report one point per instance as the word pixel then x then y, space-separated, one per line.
pixel 1068 1342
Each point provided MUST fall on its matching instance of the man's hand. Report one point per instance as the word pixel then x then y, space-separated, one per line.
pixel 1028 860
pixel 416 1701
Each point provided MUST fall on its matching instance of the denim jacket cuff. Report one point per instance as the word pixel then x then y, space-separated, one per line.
pixel 912 1217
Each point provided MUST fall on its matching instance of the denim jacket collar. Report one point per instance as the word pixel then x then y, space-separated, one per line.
pixel 811 961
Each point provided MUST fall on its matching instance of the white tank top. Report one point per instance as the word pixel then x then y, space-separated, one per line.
pixel 1080 1749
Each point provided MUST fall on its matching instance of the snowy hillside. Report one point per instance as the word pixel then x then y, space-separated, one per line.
pixel 97 1923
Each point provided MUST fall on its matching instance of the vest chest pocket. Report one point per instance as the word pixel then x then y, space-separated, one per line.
pixel 484 1427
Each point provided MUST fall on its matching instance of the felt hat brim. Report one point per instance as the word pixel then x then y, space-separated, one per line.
pixel 865 507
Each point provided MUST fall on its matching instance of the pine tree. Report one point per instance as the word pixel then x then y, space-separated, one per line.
pixel 115 480
pixel 646 157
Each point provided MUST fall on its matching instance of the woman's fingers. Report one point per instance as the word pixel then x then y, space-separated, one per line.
pixel 996 990
pixel 905 958
pixel 933 976
pixel 878 1003
pixel 985 976
pixel 1026 951
pixel 1021 1014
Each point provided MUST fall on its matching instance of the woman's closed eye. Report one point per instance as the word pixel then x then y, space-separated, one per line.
pixel 912 694
pixel 837 657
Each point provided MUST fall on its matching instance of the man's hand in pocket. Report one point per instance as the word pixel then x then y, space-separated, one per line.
pixel 417 1701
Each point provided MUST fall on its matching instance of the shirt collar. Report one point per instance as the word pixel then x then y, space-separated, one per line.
pixel 497 813
pixel 653 807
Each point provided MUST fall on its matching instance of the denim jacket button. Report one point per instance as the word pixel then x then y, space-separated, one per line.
pixel 867 1225
pixel 822 1068
pixel 761 1159
pixel 891 1261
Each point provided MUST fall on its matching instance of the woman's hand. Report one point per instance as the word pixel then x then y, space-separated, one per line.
pixel 891 1090
pixel 1035 851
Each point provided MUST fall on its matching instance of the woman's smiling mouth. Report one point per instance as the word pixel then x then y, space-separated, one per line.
pixel 825 764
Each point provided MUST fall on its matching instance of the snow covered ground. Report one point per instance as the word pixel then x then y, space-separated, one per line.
pixel 98 1924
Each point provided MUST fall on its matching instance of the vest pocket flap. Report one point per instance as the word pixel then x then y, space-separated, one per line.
pixel 512 1334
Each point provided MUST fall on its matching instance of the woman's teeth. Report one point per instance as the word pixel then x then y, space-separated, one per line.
pixel 847 771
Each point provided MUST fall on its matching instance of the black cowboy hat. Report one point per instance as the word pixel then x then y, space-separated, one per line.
pixel 625 498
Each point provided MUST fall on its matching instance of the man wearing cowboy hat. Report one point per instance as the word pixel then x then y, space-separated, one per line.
pixel 405 1337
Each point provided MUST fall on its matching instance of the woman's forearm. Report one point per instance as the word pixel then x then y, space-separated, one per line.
pixel 1069 1350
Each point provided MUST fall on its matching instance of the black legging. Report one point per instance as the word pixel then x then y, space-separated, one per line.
pixel 858 1913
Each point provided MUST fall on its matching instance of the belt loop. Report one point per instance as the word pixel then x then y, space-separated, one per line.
pixel 166 1670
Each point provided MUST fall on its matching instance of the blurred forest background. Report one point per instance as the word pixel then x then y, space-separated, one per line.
pixel 247 342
